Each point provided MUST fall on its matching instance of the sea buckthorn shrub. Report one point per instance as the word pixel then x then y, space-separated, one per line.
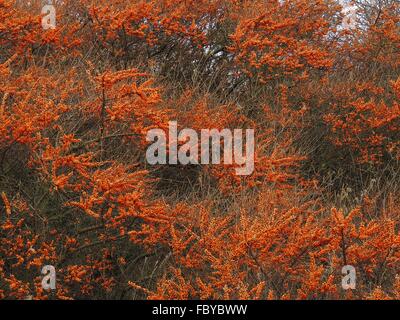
pixel 77 193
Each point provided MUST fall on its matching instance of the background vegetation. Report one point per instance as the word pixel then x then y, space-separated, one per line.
pixel 76 103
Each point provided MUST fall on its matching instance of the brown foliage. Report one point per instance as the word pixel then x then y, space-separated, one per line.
pixel 77 101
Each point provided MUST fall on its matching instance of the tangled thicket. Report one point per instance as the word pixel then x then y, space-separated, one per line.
pixel 77 101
